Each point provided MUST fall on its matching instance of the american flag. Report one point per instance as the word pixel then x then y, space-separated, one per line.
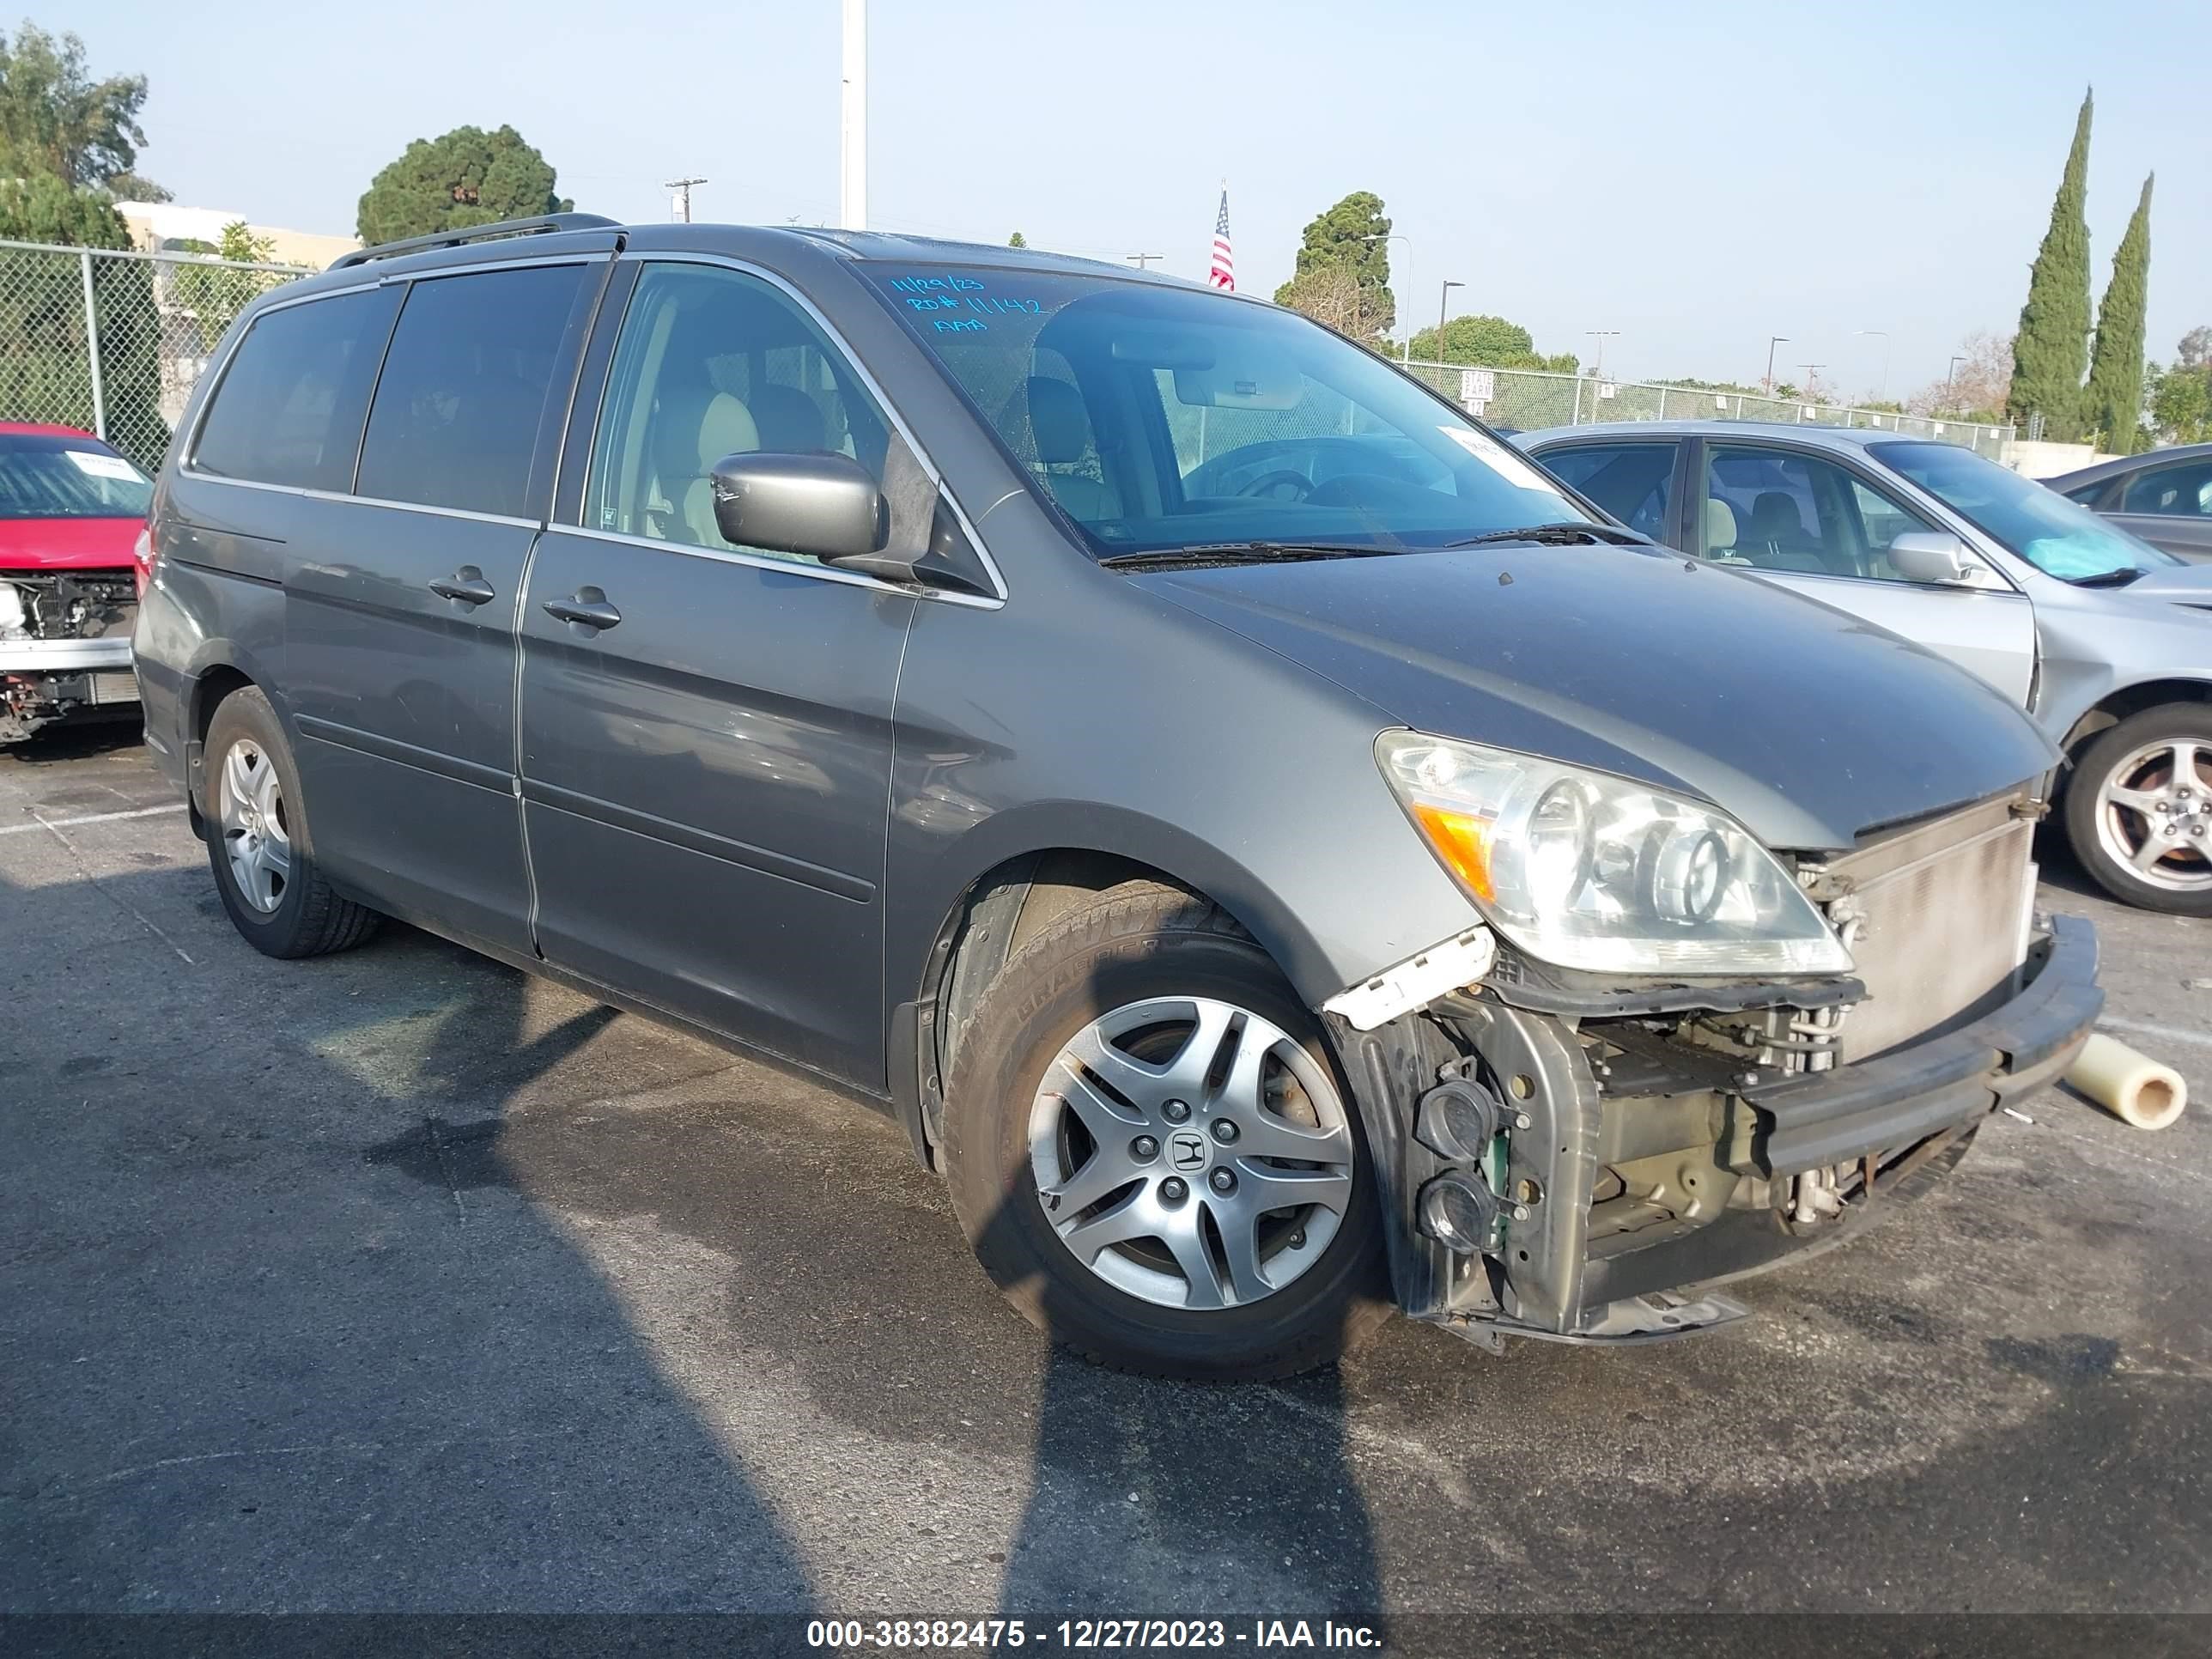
pixel 1222 272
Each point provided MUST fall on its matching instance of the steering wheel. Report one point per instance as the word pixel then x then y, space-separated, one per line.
pixel 1268 485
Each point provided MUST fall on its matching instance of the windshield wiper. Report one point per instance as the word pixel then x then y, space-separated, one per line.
pixel 1241 553
pixel 1565 533
pixel 2119 578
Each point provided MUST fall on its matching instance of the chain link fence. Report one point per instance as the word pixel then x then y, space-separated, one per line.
pixel 112 342
pixel 1529 399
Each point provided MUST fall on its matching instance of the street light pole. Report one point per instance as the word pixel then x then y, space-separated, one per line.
pixel 1443 301
pixel 1405 346
pixel 852 124
pixel 1881 393
pixel 1773 341
pixel 1951 381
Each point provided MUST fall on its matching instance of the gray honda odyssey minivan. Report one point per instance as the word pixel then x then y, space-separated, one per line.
pixel 1278 853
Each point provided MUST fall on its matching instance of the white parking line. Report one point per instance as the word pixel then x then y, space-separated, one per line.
pixel 2168 1033
pixel 89 817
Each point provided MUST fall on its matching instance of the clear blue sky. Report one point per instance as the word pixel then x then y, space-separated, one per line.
pixel 1698 176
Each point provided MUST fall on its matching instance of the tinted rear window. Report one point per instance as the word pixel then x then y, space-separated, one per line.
pixel 289 407
pixel 464 383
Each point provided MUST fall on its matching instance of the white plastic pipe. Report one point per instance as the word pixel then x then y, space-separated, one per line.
pixel 2131 1086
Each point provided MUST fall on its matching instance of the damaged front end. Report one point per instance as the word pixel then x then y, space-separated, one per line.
pixel 65 647
pixel 1567 1156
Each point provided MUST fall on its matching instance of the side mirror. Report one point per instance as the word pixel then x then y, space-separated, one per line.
pixel 1930 556
pixel 820 503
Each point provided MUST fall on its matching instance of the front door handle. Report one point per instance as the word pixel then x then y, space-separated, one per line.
pixel 467 585
pixel 587 607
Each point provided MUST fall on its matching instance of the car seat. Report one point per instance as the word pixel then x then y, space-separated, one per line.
pixel 695 428
pixel 1059 427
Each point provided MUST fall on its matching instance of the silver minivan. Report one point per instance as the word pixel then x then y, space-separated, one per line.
pixel 2105 640
pixel 1278 853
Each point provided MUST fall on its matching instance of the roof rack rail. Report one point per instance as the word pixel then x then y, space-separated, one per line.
pixel 539 227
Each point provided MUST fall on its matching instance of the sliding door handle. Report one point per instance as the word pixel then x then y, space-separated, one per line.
pixel 587 607
pixel 467 585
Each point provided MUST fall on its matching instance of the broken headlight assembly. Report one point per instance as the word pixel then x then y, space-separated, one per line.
pixel 1586 871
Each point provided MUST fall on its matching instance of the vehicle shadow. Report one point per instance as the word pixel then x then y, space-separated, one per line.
pixel 1134 1478
pixel 2057 866
pixel 76 741
pixel 278 1340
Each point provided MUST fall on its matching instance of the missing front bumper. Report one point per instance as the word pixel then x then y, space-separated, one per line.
pixel 1904 1117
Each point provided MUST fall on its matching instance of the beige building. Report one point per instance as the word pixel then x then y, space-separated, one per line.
pixel 158 225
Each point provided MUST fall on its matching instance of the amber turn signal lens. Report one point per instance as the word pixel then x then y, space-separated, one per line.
pixel 1462 842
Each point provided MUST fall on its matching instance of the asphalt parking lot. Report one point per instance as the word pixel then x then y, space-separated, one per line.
pixel 398 1281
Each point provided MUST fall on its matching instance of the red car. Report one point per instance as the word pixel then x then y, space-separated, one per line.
pixel 72 518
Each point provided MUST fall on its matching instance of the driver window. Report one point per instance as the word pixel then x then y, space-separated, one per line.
pixel 711 362
pixel 1783 510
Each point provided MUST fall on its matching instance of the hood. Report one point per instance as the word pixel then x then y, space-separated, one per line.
pixel 67 543
pixel 2180 583
pixel 1809 725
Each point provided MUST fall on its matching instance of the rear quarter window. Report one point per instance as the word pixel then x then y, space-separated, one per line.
pixel 290 407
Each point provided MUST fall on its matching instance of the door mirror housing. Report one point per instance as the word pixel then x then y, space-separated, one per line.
pixel 819 503
pixel 1930 555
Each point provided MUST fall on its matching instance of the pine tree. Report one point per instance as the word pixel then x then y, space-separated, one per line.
pixel 463 178
pixel 2116 375
pixel 1343 277
pixel 2052 348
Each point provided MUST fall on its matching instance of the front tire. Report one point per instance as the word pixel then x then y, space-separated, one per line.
pixel 2139 810
pixel 1153 1153
pixel 258 847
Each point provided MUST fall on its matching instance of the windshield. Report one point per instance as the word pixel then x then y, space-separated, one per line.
pixel 1160 417
pixel 2051 533
pixel 46 477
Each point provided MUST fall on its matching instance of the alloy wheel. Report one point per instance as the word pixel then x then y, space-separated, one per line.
pixel 1191 1152
pixel 250 805
pixel 2154 814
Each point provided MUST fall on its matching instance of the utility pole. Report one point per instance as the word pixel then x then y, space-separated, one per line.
pixel 1773 341
pixel 1809 368
pixel 853 123
pixel 682 203
pixel 1601 335
pixel 1143 261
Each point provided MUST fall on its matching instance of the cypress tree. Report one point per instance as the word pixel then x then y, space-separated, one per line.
pixel 2116 375
pixel 2051 349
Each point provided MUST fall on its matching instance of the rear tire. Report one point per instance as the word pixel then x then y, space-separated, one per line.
pixel 2139 810
pixel 1279 1273
pixel 258 847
